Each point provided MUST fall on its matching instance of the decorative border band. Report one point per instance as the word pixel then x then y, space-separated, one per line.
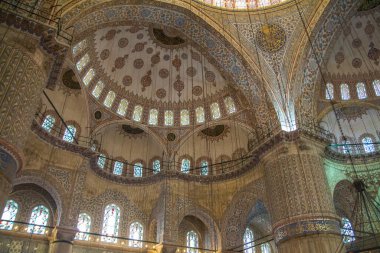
pixel 308 227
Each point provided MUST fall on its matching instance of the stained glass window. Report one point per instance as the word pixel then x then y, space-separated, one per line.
pixel 347 148
pixel 101 161
pixel 347 231
pixel 169 118
pixel 215 111
pixel 248 241
pixel 38 220
pixel 138 170
pixel 83 62
pixel 265 248
pixel 48 123
pixel 345 91
pixel 200 114
pixel 98 89
pixel 137 113
pixel 111 223
pixel 84 226
pixel 185 166
pixel 230 105
pixel 109 99
pixel 69 134
pixel 79 47
pixel 88 77
pixel 185 117
pixel 361 90
pixel 376 87
pixel 156 166
pixel 9 214
pixel 136 232
pixel 204 168
pixel 122 109
pixel 192 242
pixel 153 117
pixel 329 91
pixel 368 145
pixel 118 168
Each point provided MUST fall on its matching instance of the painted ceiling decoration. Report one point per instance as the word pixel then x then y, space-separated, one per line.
pixel 209 41
pixel 70 80
pixel 127 59
pixel 131 130
pixel 242 4
pixel 213 131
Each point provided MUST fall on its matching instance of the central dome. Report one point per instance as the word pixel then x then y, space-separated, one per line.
pixel 242 4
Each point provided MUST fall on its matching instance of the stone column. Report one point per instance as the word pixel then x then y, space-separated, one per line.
pixel 302 211
pixel 63 238
pixel 5 189
pixel 21 83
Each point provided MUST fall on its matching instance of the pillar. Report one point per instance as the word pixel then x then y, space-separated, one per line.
pixel 21 83
pixel 302 211
pixel 63 238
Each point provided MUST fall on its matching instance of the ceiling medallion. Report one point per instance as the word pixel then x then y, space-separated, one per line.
pixel 270 38
pixel 171 137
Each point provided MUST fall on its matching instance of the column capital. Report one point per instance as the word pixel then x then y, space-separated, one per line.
pixel 64 234
pixel 285 144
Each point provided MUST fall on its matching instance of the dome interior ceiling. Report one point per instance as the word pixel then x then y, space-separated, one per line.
pixel 159 65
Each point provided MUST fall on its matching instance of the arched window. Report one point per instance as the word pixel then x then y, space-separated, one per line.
pixel 153 117
pixel 98 89
pixel 185 166
pixel 137 113
pixel 156 166
pixel 329 91
pixel 215 111
pixel 84 226
pixel 88 77
pixel 361 90
pixel 79 47
pixel 265 248
pixel 101 161
pixel 136 232
pixel 192 242
pixel 118 168
pixel 138 170
pixel 109 99
pixel 347 231
pixel 345 91
pixel 248 241
pixel 9 214
pixel 123 105
pixel 204 168
pixel 69 134
pixel 110 223
pixel 185 117
pixel 48 123
pixel 169 118
pixel 376 87
pixel 38 220
pixel 368 145
pixel 230 105
pixel 83 62
pixel 347 147
pixel 200 115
